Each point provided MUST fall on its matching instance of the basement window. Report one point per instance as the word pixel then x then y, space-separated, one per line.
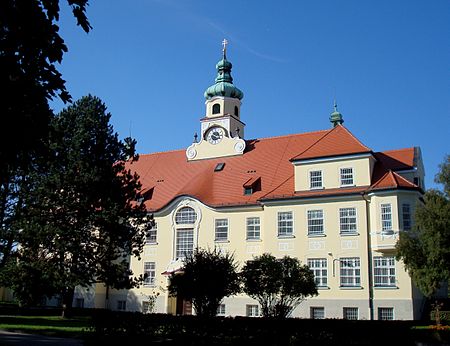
pixel 219 167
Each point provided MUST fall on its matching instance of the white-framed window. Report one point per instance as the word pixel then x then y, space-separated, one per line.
pixel 79 303
pixel 350 270
pixel 315 222
pixel 221 229
pixel 406 216
pixel 253 228
pixel 252 310
pixel 346 176
pixel 147 307
pixel 121 305
pixel 317 312
pixel 319 267
pixel 386 217
pixel 149 273
pixel 151 235
pixel 350 313
pixel 315 180
pixel 285 223
pixel 221 310
pixel 347 220
pixel 384 271
pixel 386 314
pixel 185 215
pixel 184 242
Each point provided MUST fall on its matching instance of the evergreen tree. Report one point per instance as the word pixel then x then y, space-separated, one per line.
pixel 80 221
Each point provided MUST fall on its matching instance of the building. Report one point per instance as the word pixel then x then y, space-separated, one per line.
pixel 322 196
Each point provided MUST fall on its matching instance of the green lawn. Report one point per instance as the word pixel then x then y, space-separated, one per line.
pixel 76 327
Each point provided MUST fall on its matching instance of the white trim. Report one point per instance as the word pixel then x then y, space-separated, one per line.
pixel 331 159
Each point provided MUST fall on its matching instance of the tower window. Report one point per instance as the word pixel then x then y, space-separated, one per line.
pixel 216 109
pixel 236 111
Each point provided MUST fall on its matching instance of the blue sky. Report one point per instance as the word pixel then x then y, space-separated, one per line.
pixel 387 63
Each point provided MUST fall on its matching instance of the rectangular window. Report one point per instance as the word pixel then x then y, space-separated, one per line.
pixel 285 224
pixel 351 313
pixel 386 314
pixel 347 220
pixel 406 216
pixel 149 273
pixel 221 229
pixel 384 271
pixel 346 176
pixel 185 242
pixel 147 307
pixel 319 267
pixel 386 217
pixel 121 305
pixel 79 303
pixel 317 313
pixel 350 272
pixel 315 222
pixel 315 179
pixel 252 310
pixel 221 310
pixel 151 235
pixel 253 228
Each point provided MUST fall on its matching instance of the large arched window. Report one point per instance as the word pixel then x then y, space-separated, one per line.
pixel 185 215
pixel 216 108
pixel 185 219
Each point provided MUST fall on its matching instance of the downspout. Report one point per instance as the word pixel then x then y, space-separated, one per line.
pixel 369 256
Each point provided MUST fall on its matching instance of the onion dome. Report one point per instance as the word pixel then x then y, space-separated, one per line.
pixel 336 117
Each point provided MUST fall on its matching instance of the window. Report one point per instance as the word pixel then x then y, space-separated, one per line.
pixel 384 271
pixel 386 314
pixel 351 313
pixel 406 216
pixel 185 215
pixel 350 272
pixel 248 191
pixel 386 217
pixel 347 220
pixel 252 310
pixel 149 273
pixel 121 305
pixel 315 179
pixel 221 229
pixel 253 228
pixel 315 222
pixel 147 307
pixel 151 235
pixel 221 310
pixel 346 176
pixel 285 224
pixel 319 267
pixel 216 109
pixel 185 242
pixel 236 111
pixel 219 167
pixel 317 313
pixel 79 303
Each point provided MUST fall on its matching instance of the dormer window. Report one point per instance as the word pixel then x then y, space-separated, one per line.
pixel 252 185
pixel 216 108
pixel 315 179
pixel 347 176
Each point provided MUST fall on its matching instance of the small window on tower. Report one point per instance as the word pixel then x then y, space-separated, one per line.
pixel 236 111
pixel 216 108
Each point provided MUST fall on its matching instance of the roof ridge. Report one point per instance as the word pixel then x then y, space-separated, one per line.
pixel 356 139
pixel 288 135
pixel 317 141
pixel 392 150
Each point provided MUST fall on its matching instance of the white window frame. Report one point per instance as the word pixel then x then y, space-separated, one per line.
pixel 315 222
pixel 253 228
pixel 346 176
pixel 386 313
pixel 384 271
pixel 221 310
pixel 252 310
pixel 348 223
pixel 317 312
pixel 350 313
pixel 386 217
pixel 406 216
pixel 315 180
pixel 146 307
pixel 319 266
pixel 184 242
pixel 285 223
pixel 185 216
pixel 152 234
pixel 150 270
pixel 221 229
pixel 122 305
pixel 350 272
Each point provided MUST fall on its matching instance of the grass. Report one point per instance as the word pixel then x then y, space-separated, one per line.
pixel 76 327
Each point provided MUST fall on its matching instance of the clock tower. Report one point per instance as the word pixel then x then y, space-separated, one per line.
pixel 222 130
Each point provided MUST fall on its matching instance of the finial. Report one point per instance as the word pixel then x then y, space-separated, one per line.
pixel 195 137
pixel 335 105
pixel 336 117
pixel 224 49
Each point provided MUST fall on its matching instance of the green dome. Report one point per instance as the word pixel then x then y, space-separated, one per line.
pixel 224 82
pixel 336 118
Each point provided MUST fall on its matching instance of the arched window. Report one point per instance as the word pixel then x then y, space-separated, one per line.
pixel 216 108
pixel 236 111
pixel 185 215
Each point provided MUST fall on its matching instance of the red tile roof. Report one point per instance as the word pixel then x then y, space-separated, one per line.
pixel 170 175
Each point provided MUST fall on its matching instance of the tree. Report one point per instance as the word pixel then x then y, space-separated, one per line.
pixel 207 277
pixel 80 220
pixel 279 285
pixel 425 250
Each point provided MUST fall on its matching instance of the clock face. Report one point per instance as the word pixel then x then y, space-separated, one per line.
pixel 215 135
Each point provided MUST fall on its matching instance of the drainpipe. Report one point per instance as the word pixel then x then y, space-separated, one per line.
pixel 369 256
